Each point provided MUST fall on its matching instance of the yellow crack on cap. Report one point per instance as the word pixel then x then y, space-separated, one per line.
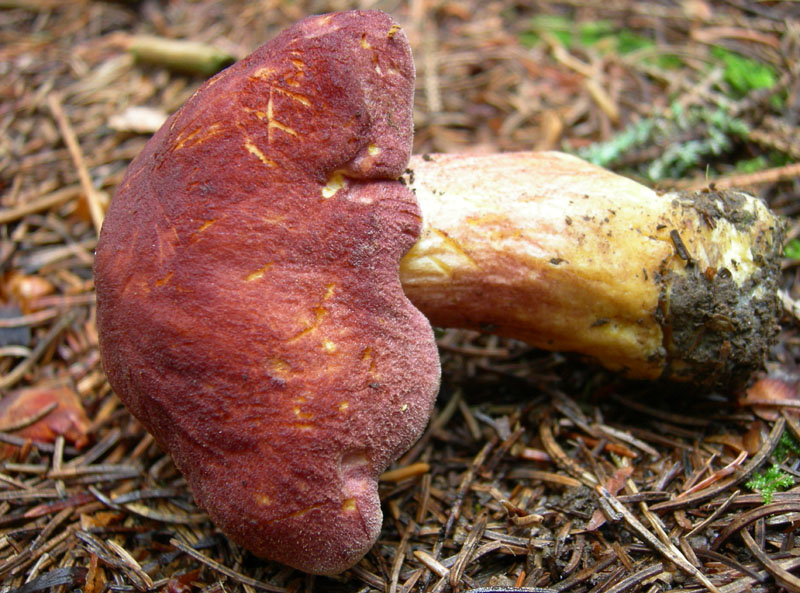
pixel 255 150
pixel 258 273
pixel 334 184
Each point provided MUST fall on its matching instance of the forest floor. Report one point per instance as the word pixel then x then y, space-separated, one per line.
pixel 698 485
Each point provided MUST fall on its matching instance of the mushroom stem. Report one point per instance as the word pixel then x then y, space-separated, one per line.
pixel 562 254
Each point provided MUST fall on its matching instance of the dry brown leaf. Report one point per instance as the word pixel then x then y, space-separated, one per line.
pixel 67 417
pixel 765 391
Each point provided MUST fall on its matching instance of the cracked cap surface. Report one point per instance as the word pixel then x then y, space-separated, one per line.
pixel 249 307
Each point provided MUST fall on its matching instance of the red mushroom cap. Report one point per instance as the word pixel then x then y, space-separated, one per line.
pixel 249 306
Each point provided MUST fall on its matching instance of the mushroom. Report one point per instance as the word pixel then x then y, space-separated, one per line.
pixel 250 308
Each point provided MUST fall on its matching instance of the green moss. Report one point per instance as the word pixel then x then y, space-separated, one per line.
pixel 792 249
pixel 558 26
pixel 788 445
pixel 592 32
pixel 769 482
pixel 744 74
pixel 601 35
pixel 713 133
pixel 753 165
